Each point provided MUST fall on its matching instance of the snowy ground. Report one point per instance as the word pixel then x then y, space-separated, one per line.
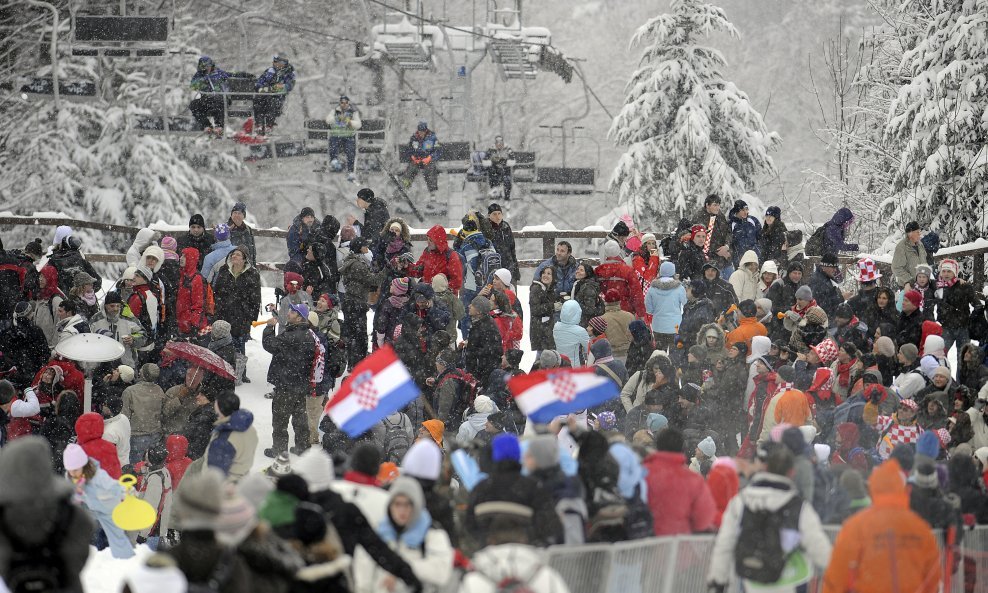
pixel 104 574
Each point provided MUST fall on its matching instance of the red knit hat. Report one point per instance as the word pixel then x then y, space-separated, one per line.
pixel 599 324
pixel 612 295
pixel 697 228
pixel 915 297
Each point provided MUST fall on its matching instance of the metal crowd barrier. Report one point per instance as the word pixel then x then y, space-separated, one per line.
pixel 680 564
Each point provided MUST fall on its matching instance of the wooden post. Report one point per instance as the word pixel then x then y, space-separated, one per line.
pixel 979 271
pixel 548 247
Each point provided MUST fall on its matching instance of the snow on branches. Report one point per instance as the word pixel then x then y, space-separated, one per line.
pixel 689 132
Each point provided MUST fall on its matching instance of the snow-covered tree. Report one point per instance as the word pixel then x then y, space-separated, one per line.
pixel 940 119
pixel 689 131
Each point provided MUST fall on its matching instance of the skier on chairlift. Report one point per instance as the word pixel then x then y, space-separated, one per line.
pixel 500 159
pixel 209 82
pixel 343 122
pixel 273 87
pixel 424 154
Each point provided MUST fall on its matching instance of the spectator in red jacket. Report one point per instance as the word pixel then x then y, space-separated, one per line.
pixel 438 258
pixel 723 483
pixel 89 430
pixel 615 274
pixel 679 498
pixel 177 461
pixel 188 305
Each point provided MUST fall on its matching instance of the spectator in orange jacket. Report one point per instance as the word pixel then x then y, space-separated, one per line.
pixel 886 547
pixel 748 325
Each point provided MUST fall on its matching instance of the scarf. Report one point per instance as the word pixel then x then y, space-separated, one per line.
pixel 398 301
pixel 412 536
pixel 946 283
pixel 802 312
pixel 844 372
pixel 710 234
pixel 89 297
pixel 782 388
pixel 359 478
pixel 215 345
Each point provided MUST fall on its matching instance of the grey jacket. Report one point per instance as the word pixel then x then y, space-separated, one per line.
pixel 142 403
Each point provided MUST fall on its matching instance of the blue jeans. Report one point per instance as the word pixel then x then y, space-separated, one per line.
pixel 466 296
pixel 349 148
pixel 726 271
pixel 139 445
pixel 960 337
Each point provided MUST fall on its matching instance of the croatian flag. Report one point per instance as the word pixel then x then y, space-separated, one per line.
pixel 543 395
pixel 377 387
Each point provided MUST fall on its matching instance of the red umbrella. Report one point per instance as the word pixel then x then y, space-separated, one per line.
pixel 200 357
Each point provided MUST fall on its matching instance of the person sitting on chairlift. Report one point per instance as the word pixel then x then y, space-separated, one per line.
pixel 273 87
pixel 207 108
pixel 501 158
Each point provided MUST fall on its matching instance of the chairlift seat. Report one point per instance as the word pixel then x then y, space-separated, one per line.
pixel 120 36
pixel 77 89
pixel 278 150
pixel 168 125
pixel 564 181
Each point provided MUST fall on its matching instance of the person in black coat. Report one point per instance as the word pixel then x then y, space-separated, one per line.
pixel 966 484
pixel 317 277
pixel 482 353
pixel 326 234
pixel 498 232
pixel 292 354
pixel 197 238
pixel 200 425
pixel 237 293
pixel 412 351
pixel 690 260
pixel 68 261
pixel 697 312
pixel 954 300
pixel 221 342
pixel 24 345
pixel 909 329
pixel 773 239
pixel 719 291
pixel 506 484
pixel 827 295
pixel 59 428
pixel 375 214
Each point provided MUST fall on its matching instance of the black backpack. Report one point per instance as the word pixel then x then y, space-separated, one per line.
pixel 815 244
pixel 38 568
pixel 396 441
pixel 758 555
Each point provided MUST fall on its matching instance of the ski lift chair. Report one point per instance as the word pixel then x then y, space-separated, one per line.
pixel 563 181
pixel 169 124
pixel 120 36
pixel 79 90
pixel 277 150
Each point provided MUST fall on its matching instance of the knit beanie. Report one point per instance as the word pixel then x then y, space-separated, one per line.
pixel 544 451
pixel 667 269
pixel 237 518
pixel 925 474
pixel 656 422
pixel 366 459
pixel 909 352
pixel 885 346
pixel 170 246
pixel 423 460
pixel 220 329
pixel 484 405
pixel 199 499
pixel 915 297
pixel 804 293
pixel 316 468
pixel 852 483
pixel 599 324
pixel 74 457
pixel 505 447
pixel 126 373
pixel 601 349
pixel 481 304
pixel 150 372
pixel 707 447
pixel 256 487
pixel 440 283
pixel 928 444
pixel 503 275
pixel 549 359
pixel 399 286
pixel 514 356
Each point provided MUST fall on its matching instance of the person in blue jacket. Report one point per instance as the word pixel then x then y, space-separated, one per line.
pixel 572 340
pixel 207 109
pixel 424 152
pixel 299 234
pixel 836 233
pixel 100 494
pixel 746 232
pixel 221 248
pixel 273 86
pixel 664 301
pixel 472 242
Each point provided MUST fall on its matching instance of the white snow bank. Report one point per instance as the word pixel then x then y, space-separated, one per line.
pixel 976 244
pixel 548 226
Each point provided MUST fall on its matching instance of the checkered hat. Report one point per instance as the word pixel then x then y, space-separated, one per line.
pixel 944 437
pixel 909 403
pixel 867 270
pixel 599 324
pixel 826 351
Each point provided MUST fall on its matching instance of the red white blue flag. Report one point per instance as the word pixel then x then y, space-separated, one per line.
pixel 377 387
pixel 543 395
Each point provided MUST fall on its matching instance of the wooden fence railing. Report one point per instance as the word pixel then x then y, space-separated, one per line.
pixel 548 239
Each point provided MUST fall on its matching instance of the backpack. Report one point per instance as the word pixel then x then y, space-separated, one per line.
pixel 396 441
pixel 638 522
pixel 758 555
pixel 610 517
pixel 513 583
pixel 466 393
pixel 488 261
pixel 815 244
pixel 39 567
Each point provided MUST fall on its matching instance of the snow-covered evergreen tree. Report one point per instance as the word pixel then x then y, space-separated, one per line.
pixel 689 131
pixel 940 120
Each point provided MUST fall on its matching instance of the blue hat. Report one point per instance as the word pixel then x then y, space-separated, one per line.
pixel 423 126
pixel 222 232
pixel 505 447
pixel 667 269
pixel 302 309
pixel 242 207
pixel 928 444
pixel 656 422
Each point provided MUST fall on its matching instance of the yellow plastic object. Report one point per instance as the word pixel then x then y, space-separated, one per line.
pixel 133 514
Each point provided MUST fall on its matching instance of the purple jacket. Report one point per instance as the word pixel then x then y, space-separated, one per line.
pixel 833 240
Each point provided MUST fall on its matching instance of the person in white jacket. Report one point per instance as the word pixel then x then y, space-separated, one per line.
pixel 745 279
pixel 135 254
pixel 512 561
pixel 770 489
pixel 407 529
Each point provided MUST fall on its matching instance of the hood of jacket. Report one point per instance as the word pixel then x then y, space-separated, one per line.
pixel 505 561
pixel 887 486
pixel 842 217
pixel 239 421
pixel 406 234
pixel 247 265
pixel 156 252
pixel 749 257
pixel 760 346
pixel 89 427
pixel 711 328
pixel 570 313
pixel 438 235
pixel 631 474
pixel 177 446
pixel 191 266
pixel 666 283
pixel 767 492
pixel 143 239
pixel 51 282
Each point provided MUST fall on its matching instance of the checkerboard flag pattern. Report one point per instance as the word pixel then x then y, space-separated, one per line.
pixel 379 386
pixel 544 395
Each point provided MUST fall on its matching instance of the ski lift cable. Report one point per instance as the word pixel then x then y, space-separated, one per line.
pixel 283 24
